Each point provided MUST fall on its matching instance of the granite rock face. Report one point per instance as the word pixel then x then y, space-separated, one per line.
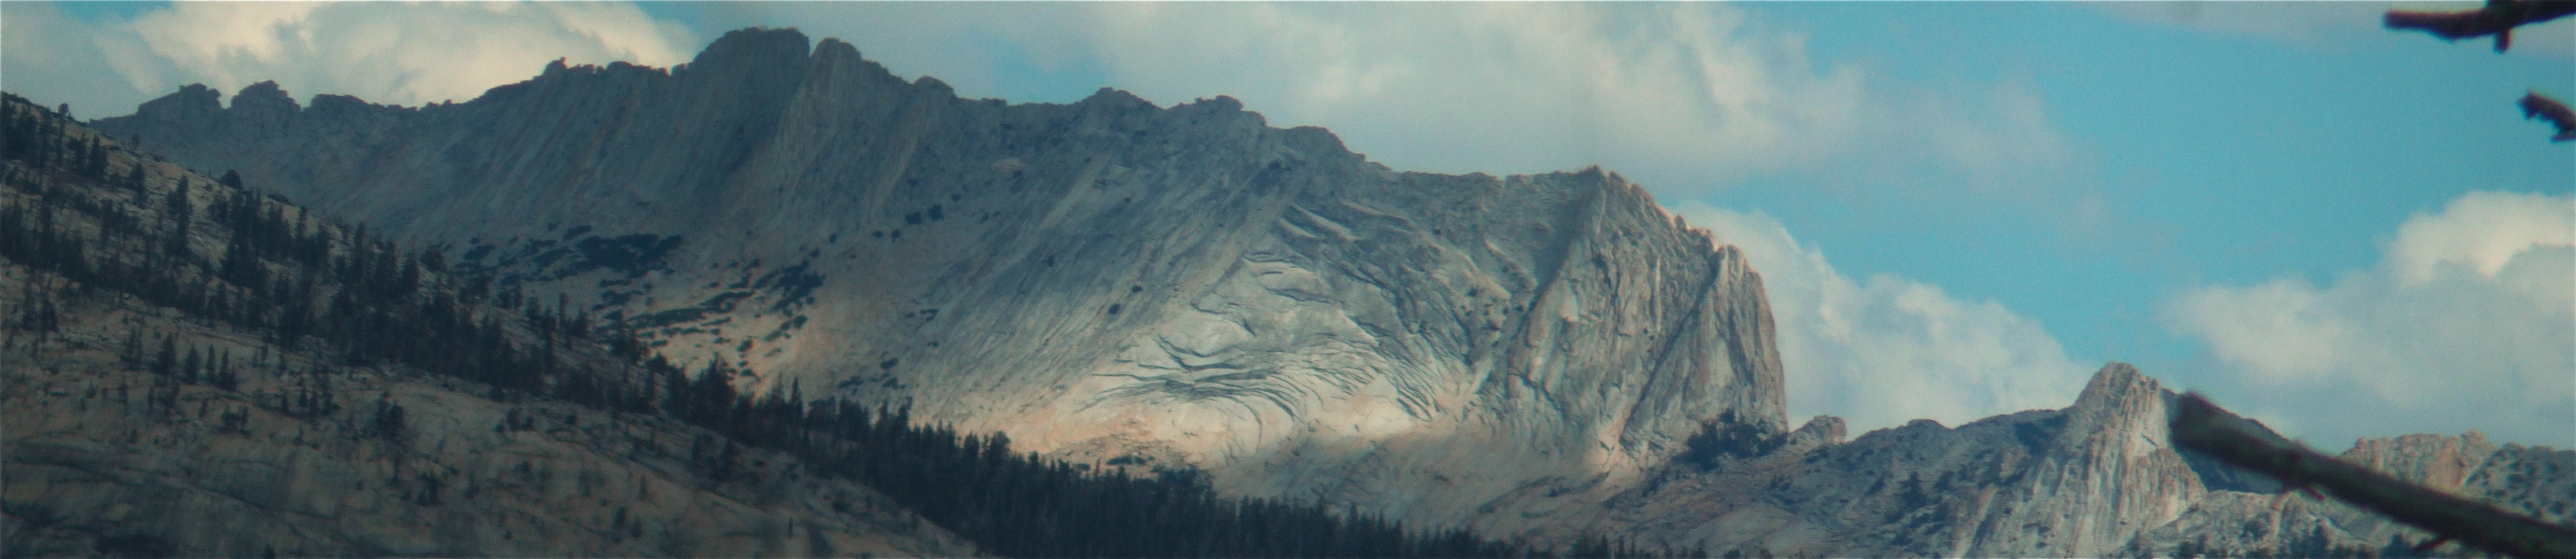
pixel 1106 280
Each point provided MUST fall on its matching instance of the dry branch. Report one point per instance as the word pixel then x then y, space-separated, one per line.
pixel 2202 426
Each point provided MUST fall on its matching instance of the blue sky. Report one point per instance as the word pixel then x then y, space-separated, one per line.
pixel 1962 208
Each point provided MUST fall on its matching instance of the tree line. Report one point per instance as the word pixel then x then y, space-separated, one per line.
pixel 95 216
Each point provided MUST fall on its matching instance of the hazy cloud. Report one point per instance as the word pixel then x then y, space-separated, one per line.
pixel 390 53
pixel 1885 350
pixel 2470 320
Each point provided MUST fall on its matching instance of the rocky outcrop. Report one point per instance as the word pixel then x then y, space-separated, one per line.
pixel 1106 280
pixel 2094 479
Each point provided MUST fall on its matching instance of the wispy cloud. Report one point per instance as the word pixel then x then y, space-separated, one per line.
pixel 1885 350
pixel 391 53
pixel 2469 321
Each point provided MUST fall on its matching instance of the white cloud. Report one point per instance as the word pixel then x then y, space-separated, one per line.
pixel 2480 231
pixel 1451 87
pixel 389 53
pixel 1886 350
pixel 2469 322
pixel 1505 87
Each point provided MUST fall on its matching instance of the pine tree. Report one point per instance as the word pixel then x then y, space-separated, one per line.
pixel 133 353
pixel 188 371
pixel 167 361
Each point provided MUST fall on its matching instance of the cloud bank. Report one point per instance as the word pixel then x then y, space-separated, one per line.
pixel 2468 322
pixel 1884 350
pixel 405 54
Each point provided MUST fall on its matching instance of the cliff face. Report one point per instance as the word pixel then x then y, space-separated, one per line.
pixel 1106 280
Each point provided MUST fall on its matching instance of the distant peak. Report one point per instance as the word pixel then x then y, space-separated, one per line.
pixel 755 44
pixel 836 49
pixel 189 101
pixel 2114 380
pixel 1115 96
pixel 264 96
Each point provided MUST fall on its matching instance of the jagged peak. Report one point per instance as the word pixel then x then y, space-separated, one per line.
pixel 934 86
pixel 191 99
pixel 753 46
pixel 264 96
pixel 1220 103
pixel 2117 382
pixel 1820 430
pixel 1112 96
pixel 835 52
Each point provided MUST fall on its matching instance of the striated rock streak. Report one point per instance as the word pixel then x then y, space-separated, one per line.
pixel 1106 280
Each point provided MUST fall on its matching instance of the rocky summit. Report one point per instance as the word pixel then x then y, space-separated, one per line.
pixel 1136 287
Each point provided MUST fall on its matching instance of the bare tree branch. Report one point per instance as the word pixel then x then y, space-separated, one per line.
pixel 2202 426
pixel 2537 106
pixel 2497 18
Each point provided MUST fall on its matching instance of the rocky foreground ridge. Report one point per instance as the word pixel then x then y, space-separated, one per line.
pixel 1114 282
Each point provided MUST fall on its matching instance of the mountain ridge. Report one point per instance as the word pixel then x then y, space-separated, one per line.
pixel 1181 285
pixel 1136 286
